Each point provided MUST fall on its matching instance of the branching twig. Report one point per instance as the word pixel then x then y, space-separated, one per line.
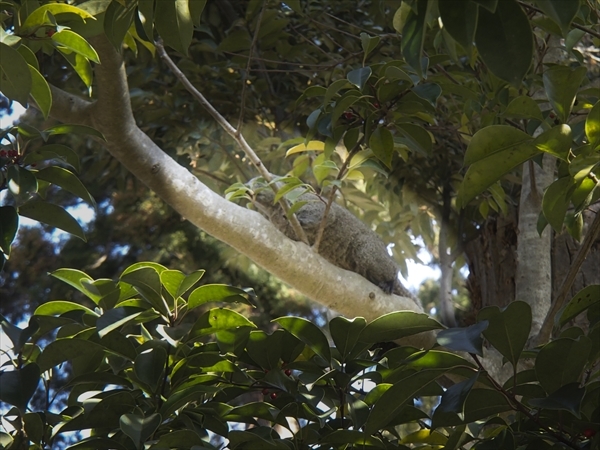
pixel 239 139
pixel 591 236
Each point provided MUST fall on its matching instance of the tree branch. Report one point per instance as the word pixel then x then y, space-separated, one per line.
pixel 243 229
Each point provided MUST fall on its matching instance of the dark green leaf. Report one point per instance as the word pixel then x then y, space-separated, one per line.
pixel 66 180
pixel 146 281
pixel 19 385
pixel 9 224
pixel 40 91
pixel 63 350
pixel 588 296
pixel 460 20
pixel 174 24
pixel 139 429
pixel 115 318
pixel 508 329
pixel 82 67
pixel 21 184
pixel 354 438
pixel 467 339
pixel 117 20
pixel 523 107
pixel 454 398
pixel 565 398
pixel 368 44
pixel 359 77
pixel 52 215
pixel 149 366
pixel 265 349
pixel 58 307
pixel 428 91
pixel 58 152
pixel 556 201
pixel 180 439
pixel 505 41
pixel 345 333
pixel 308 333
pixel 15 77
pixel 76 279
pixel 561 84
pixel 396 325
pixel 413 36
pixel 561 11
pixel 415 138
pixel 218 319
pixel 382 144
pixel 561 362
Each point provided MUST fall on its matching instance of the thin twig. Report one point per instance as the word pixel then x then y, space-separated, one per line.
pixel 591 236
pixel 239 138
pixel 573 24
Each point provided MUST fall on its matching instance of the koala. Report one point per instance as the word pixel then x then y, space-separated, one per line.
pixel 346 242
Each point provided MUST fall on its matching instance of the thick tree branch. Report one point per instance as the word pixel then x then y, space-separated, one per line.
pixel 245 230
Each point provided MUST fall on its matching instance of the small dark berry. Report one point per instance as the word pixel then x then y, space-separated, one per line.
pixel 348 115
pixel 50 32
pixel 3 153
pixel 265 391
pixel 552 115
pixel 33 165
pixel 589 433
pixel 273 396
pixel 288 372
pixel 377 105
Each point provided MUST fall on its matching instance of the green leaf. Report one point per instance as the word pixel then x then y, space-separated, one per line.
pixel 77 279
pixel 359 77
pixel 15 77
pixel 397 325
pixel 73 129
pixel 115 318
pixel 18 386
pixel 556 201
pixel 146 281
pixel 308 333
pixel 454 398
pixel 413 36
pixel 585 298
pixel 345 333
pixel 149 366
pixel 392 400
pixel 66 180
pixel 40 91
pixel 381 142
pixel 75 43
pixel 9 224
pixel 493 152
pixel 557 141
pixel 265 349
pixel 217 293
pixel 22 184
pixel 63 350
pixel 52 215
pixel 173 22
pixel 523 107
pixel 508 329
pixel 561 84
pixel 505 41
pixel 467 339
pixel 566 398
pixel 415 138
pixel 138 428
pixel 58 307
pixel 117 21
pixel 82 67
pixel 181 439
pixel 369 43
pixel 592 125
pixel 561 11
pixel 351 439
pixel 58 152
pixel 428 91
pixel 218 319
pixel 460 21
pixel 561 362
pixel 40 15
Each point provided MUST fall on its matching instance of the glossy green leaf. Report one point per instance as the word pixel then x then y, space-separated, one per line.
pixel 494 139
pixel 490 5
pixel 382 144
pixel 73 129
pixel 561 362
pixel 18 386
pixel 505 41
pixel 117 20
pixel 480 404
pixel 147 282
pixel 561 11
pixel 523 107
pixel 9 224
pixel 265 349
pixel 174 24
pixel 588 296
pixel 217 293
pixel 146 18
pixel 15 77
pixel 218 319
pixel 66 180
pixel 413 36
pixel 354 438
pixel 467 339
pixel 566 398
pixel 63 350
pixel 57 152
pixel 555 202
pixel 58 307
pixel 345 333
pixel 181 439
pixel 40 91
pixel 592 125
pixel 369 43
pixel 21 184
pixel 82 67
pixel 149 366
pixel 428 91
pixel 454 398
pixel 359 77
pixel 308 333
pixel 397 325
pixel 460 20
pixel 436 359
pixel 415 137
pixel 114 319
pixel 557 141
pixel 508 329
pixel 392 400
pixel 75 43
pixel 139 429
pixel 76 279
pixel 561 84
pixel 52 215
pixel 40 15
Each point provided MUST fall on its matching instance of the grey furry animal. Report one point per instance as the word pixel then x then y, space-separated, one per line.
pixel 346 242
